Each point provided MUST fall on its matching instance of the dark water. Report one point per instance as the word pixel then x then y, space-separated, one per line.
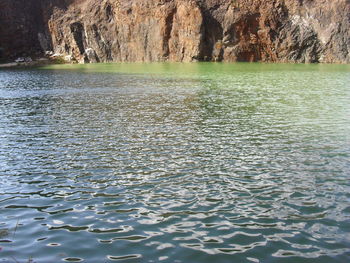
pixel 175 163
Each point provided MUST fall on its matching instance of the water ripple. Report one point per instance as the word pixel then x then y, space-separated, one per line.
pixel 218 166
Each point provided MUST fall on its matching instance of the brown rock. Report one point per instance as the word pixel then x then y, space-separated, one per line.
pixel 180 30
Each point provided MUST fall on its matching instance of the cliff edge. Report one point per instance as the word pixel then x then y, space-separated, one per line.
pixel 302 31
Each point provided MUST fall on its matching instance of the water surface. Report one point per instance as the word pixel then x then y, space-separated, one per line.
pixel 175 162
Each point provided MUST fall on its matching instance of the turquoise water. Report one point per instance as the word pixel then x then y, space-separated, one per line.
pixel 202 162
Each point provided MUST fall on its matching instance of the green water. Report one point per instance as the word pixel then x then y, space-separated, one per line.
pixel 166 162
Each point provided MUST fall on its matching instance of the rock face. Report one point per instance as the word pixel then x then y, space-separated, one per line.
pixel 181 30
pixel 20 21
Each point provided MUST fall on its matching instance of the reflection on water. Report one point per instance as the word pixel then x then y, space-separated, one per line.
pixel 175 163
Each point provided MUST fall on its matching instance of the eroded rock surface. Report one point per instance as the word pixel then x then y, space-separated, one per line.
pixel 193 30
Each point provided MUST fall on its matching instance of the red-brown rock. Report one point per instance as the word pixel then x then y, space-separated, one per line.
pixel 179 30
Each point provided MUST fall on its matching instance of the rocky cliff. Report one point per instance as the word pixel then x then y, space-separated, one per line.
pixel 180 30
pixel 20 22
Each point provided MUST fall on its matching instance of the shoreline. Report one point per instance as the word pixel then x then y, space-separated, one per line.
pixel 46 62
pixel 35 63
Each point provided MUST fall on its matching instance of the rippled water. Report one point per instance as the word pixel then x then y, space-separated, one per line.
pixel 175 163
